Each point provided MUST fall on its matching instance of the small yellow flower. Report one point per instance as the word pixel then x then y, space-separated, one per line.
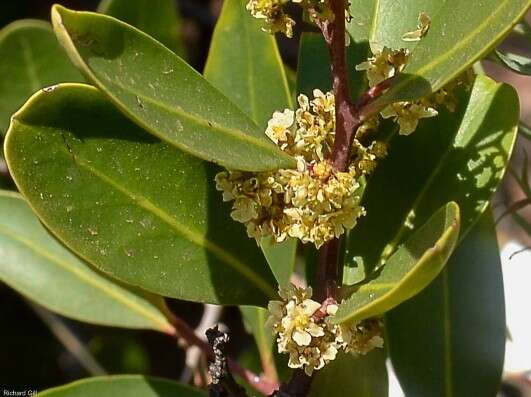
pixel 363 337
pixel 408 114
pixel 278 128
pixel 384 64
pixel 271 11
pixel 312 343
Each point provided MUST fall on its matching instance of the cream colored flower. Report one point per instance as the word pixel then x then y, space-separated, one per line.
pixel 408 114
pixel 384 64
pixel 278 128
pixel 311 341
pixel 272 12
pixel 363 337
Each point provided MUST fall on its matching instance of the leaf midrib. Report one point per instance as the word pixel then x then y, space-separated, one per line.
pixel 233 132
pixel 441 58
pixel 189 234
pixel 81 275
pixel 250 65
pixel 431 251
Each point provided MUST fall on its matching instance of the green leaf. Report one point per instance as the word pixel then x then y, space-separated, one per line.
pixel 314 66
pixel 123 385
pixel 408 271
pixel 384 22
pixel 459 35
pixel 245 64
pixel 281 258
pixel 161 93
pixel 350 375
pixel 254 319
pixel 457 157
pixel 133 206
pixel 158 18
pixel 31 59
pixel 517 63
pixel 450 339
pixel 40 268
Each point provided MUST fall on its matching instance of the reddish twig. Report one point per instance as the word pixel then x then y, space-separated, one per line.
pixel 327 273
pixel 187 335
pixel 346 116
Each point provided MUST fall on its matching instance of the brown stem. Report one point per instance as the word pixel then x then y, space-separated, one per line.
pixel 298 385
pixel 188 336
pixel 346 115
pixel 327 272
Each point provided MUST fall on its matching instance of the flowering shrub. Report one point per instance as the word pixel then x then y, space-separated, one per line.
pixel 365 204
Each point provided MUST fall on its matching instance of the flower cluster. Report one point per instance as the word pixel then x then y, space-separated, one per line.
pixel 384 64
pixel 273 14
pixel 310 340
pixel 387 63
pixel 314 203
pixel 276 19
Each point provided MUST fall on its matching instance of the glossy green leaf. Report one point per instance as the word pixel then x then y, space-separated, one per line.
pixel 244 63
pixel 123 385
pixel 517 63
pixel 281 258
pixel 40 268
pixel 408 271
pixel 457 157
pixel 158 18
pixel 133 206
pixel 163 94
pixel 352 376
pixel 450 339
pixel 384 22
pixel 459 35
pixel 31 59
